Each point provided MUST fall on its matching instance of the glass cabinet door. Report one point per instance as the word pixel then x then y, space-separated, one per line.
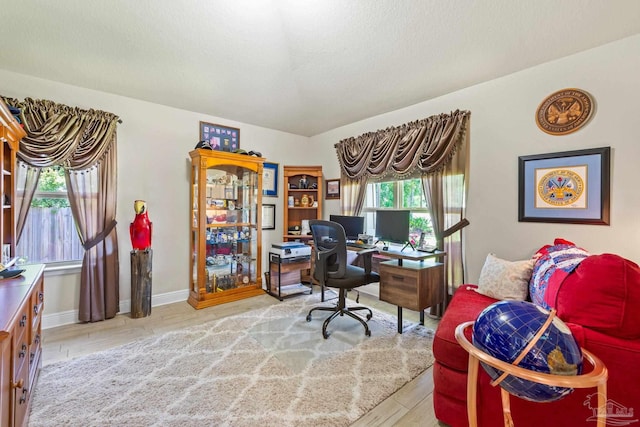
pixel 225 236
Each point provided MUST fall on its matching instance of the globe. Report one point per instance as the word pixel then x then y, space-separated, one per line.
pixel 505 328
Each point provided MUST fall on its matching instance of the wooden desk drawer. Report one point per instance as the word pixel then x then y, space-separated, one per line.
pixel 21 396
pixel 20 342
pixel 37 305
pixel 413 285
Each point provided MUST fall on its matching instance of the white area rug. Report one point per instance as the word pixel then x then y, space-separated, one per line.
pixel 268 367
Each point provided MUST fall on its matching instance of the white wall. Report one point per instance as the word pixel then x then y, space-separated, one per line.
pixel 154 140
pixel 503 127
pixel 153 165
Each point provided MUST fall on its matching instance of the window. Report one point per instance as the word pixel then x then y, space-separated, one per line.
pixel 404 194
pixel 50 234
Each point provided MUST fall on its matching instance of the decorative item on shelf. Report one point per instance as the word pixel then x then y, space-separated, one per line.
pixel 303 182
pixel 248 153
pixel 291 202
pixel 6 253
pixel 296 202
pixel 311 200
pixel 305 229
pixel 294 230
pixel 304 201
pixel 140 229
pixel 564 111
pixel 204 144
pixel 221 138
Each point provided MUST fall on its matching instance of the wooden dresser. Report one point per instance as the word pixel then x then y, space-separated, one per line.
pixel 21 304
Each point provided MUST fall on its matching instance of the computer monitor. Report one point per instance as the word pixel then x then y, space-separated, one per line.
pixel 392 226
pixel 353 225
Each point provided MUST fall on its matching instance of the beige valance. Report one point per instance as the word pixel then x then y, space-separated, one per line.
pixel 416 148
pixel 61 135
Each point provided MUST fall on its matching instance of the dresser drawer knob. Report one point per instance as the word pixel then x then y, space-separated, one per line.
pixel 23 321
pixel 19 384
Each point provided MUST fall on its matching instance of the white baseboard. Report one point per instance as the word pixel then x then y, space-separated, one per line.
pixel 71 316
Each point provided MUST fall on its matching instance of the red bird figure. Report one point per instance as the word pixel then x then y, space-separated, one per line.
pixel 140 229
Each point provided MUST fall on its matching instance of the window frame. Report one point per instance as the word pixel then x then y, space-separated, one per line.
pixel 398 200
pixel 55 267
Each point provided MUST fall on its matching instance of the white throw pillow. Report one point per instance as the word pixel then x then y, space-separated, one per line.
pixel 503 279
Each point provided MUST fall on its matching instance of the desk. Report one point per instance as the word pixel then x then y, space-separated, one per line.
pixel 411 279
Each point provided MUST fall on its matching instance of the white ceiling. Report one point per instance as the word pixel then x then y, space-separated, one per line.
pixel 301 66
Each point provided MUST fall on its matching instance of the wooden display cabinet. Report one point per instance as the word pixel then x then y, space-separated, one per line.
pixel 301 203
pixel 226 236
pixel 10 135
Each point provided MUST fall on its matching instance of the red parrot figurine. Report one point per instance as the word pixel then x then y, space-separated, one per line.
pixel 140 229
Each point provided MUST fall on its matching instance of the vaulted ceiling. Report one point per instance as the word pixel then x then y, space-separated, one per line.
pixel 301 66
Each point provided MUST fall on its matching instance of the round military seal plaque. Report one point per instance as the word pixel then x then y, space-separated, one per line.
pixel 564 111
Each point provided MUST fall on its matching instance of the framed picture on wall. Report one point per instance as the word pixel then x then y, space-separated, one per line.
pixel 270 180
pixel 333 189
pixel 565 187
pixel 221 138
pixel 268 217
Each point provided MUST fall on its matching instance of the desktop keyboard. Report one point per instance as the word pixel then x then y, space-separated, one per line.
pixel 361 245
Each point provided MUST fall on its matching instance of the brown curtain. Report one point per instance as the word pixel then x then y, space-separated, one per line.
pixel 413 149
pixel 435 149
pixel 83 142
pixel 353 195
pixel 445 191
pixel 26 184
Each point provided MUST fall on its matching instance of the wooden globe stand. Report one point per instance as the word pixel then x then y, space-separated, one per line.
pixel 596 378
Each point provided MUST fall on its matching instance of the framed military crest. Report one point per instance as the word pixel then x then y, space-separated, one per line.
pixel 567 187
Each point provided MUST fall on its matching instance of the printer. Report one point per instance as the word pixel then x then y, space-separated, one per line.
pixel 290 252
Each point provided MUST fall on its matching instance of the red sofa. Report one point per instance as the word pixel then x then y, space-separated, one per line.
pixel 600 301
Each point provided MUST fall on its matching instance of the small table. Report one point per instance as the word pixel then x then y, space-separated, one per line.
pixel 596 378
pixel 285 278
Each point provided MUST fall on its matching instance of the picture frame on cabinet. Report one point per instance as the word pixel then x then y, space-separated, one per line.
pixel 270 179
pixel 220 137
pixel 268 217
pixel 333 189
pixel 566 187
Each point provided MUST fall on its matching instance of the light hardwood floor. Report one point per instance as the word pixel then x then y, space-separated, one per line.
pixel 412 405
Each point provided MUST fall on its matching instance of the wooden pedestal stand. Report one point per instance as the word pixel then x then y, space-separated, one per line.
pixel 596 378
pixel 141 282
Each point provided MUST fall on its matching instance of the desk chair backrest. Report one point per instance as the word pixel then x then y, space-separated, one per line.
pixel 330 243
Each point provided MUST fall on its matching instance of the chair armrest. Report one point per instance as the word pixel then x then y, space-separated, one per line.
pixel 367 255
pixel 321 272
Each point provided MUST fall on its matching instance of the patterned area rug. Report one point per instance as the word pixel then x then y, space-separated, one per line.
pixel 267 367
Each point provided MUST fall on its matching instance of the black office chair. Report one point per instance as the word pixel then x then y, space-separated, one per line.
pixel 332 270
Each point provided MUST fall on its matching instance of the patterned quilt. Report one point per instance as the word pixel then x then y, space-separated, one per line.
pixel 553 264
